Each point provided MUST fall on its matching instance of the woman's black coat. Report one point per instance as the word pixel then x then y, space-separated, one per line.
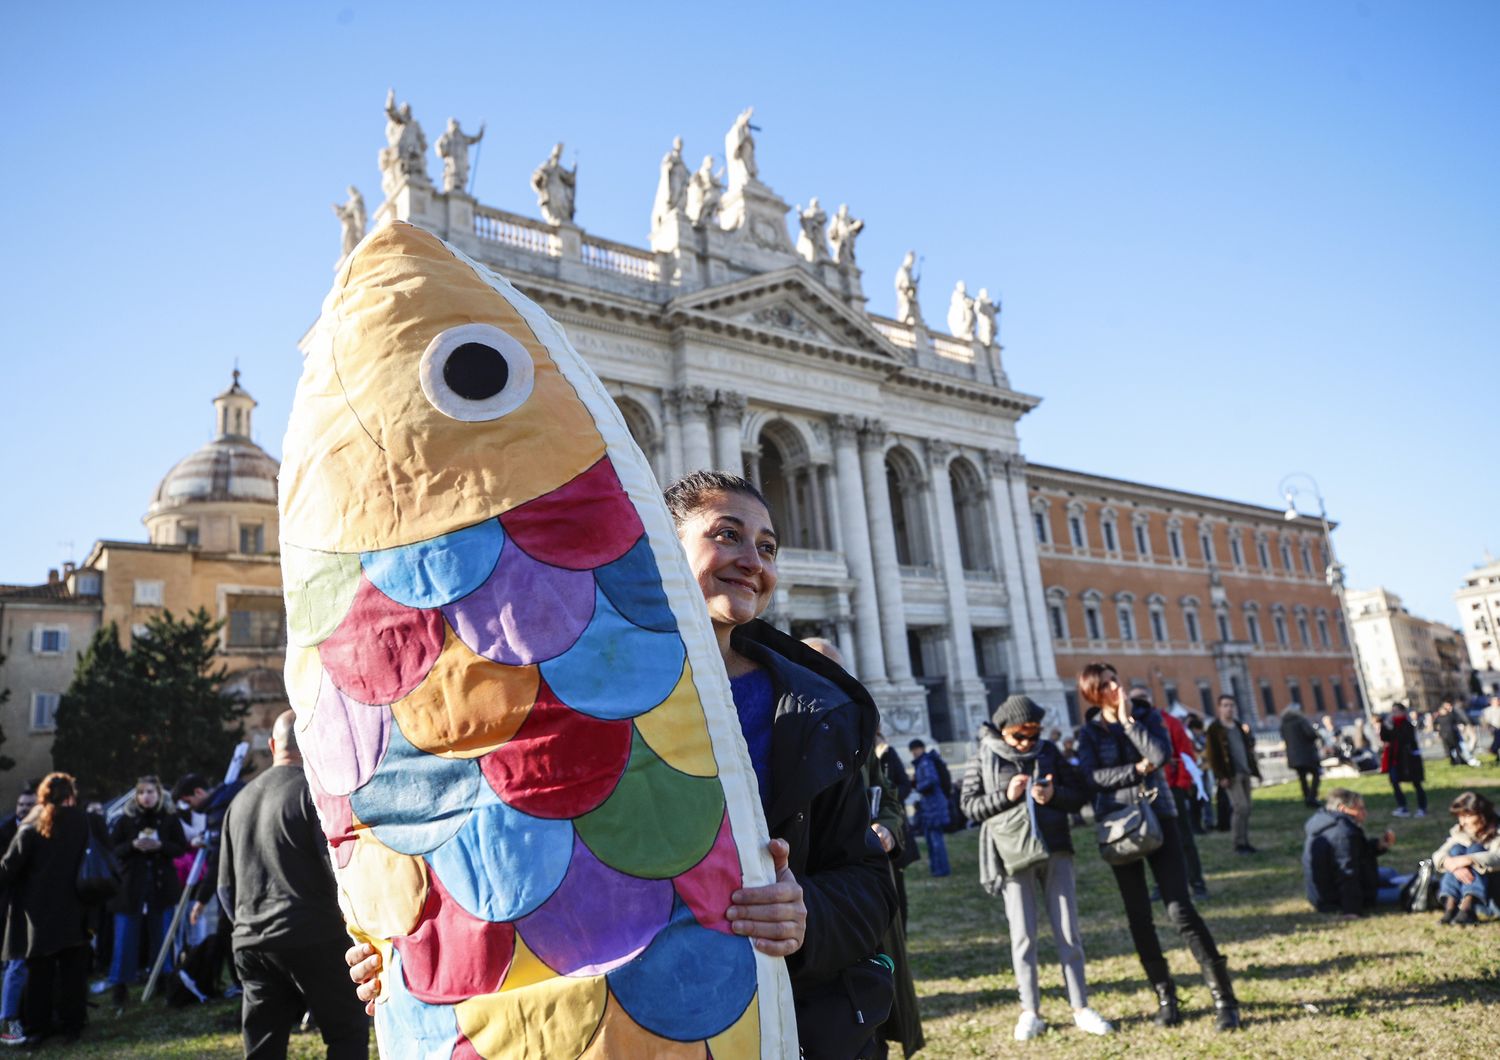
pixel 1403 754
pixel 821 738
pixel 149 878
pixel 42 876
pixel 985 785
pixel 1108 752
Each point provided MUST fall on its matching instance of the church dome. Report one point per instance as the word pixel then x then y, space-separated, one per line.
pixel 223 496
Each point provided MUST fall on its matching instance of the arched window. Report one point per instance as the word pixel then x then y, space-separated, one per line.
pixel 1041 520
pixel 1093 618
pixel 642 430
pixel 1174 538
pixel 1221 618
pixel 1322 620
pixel 1278 621
pixel 1109 529
pixel 1236 548
pixel 1125 615
pixel 1141 525
pixel 1304 633
pixel 791 487
pixel 904 481
pixel 1078 534
pixel 969 513
pixel 1156 607
pixel 1057 612
pixel 1252 622
pixel 1190 619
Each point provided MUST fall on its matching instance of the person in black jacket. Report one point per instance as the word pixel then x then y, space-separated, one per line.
pixel 147 840
pixel 1401 760
pixel 40 868
pixel 1339 860
pixel 810 728
pixel 276 887
pixel 1121 752
pixel 15 970
pixel 1018 772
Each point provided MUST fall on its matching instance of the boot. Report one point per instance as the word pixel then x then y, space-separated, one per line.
pixel 1450 910
pixel 1167 1014
pixel 1466 916
pixel 1226 1007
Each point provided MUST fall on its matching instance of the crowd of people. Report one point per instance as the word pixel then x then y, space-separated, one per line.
pixel 1153 780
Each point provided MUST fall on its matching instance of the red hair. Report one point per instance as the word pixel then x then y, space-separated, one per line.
pixel 1092 679
pixel 55 789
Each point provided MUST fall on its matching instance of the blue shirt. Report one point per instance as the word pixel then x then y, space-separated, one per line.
pixel 754 702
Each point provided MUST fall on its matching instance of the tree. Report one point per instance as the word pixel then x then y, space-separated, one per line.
pixel 6 762
pixel 157 708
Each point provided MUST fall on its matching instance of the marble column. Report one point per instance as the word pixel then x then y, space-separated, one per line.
pixel 1005 528
pixel 969 689
pixel 729 411
pixel 692 412
pixel 815 495
pixel 835 530
pixel 1046 688
pixel 883 553
pixel 752 466
pixel 843 625
pixel 864 595
pixel 672 432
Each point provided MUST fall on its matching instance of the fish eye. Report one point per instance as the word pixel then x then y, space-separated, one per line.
pixel 475 372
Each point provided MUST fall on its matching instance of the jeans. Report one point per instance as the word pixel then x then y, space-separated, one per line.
pixel 10 992
pixel 1401 795
pixel 1055 877
pixel 937 850
pixel 1171 877
pixel 1391 886
pixel 1483 890
pixel 126 960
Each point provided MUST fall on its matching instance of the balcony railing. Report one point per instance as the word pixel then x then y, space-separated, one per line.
pixel 513 230
pixel 617 257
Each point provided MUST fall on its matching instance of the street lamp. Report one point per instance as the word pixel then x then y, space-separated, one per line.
pixel 1334 575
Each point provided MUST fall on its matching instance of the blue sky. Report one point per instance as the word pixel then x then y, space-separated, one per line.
pixel 1232 239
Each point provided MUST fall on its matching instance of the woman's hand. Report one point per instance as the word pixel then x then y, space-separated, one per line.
pixel 882 833
pixel 774 916
pixel 364 963
pixel 1143 767
pixel 1458 861
pixel 1017 787
pixel 1042 791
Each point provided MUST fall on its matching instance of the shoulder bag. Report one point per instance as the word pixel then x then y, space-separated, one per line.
pixel 98 873
pixel 1131 832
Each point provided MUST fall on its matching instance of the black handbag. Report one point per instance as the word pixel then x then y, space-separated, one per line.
pixel 98 873
pixel 1131 832
pixel 838 1019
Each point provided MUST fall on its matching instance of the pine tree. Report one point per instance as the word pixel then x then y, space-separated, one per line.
pixel 156 708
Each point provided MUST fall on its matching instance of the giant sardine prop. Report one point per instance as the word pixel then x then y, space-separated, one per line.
pixel 513 713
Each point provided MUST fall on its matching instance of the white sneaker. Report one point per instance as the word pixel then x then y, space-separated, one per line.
pixel 1090 1022
pixel 1400 811
pixel 1029 1026
pixel 1420 813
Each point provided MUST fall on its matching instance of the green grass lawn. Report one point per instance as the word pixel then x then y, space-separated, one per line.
pixel 1395 984
pixel 1391 985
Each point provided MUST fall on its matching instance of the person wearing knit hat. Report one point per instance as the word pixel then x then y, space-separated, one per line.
pixel 1022 781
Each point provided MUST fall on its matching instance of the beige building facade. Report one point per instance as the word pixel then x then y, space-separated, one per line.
pixel 1478 602
pixel 1408 659
pixel 887 448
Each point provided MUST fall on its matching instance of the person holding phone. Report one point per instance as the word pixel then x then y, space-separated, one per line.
pixel 1015 767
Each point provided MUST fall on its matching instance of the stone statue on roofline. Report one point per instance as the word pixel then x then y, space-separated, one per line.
pixel 555 186
pixel 986 327
pixel 842 233
pixel 705 189
pixel 453 148
pixel 351 216
pixel 671 186
pixel 908 311
pixel 961 313
pixel 404 156
pixel 739 150
pixel 812 241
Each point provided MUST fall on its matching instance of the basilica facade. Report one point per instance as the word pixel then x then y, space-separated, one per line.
pixel 888 450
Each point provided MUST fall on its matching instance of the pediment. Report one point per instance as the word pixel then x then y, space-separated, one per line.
pixel 791 304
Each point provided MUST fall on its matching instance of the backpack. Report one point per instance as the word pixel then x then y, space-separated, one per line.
pixel 1420 893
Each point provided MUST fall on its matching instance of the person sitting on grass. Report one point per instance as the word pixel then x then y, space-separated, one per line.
pixel 1339 859
pixel 1469 860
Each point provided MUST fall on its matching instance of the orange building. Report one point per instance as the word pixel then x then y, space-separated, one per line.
pixel 1189 595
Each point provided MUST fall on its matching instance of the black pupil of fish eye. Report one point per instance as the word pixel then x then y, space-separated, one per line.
pixel 475 371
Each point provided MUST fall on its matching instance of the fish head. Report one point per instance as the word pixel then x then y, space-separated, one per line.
pixel 431 399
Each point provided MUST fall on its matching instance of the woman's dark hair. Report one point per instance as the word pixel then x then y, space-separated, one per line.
pixel 691 492
pixel 55 789
pixel 1477 804
pixel 1092 679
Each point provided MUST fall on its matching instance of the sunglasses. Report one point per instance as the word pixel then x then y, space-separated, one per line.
pixel 1023 732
